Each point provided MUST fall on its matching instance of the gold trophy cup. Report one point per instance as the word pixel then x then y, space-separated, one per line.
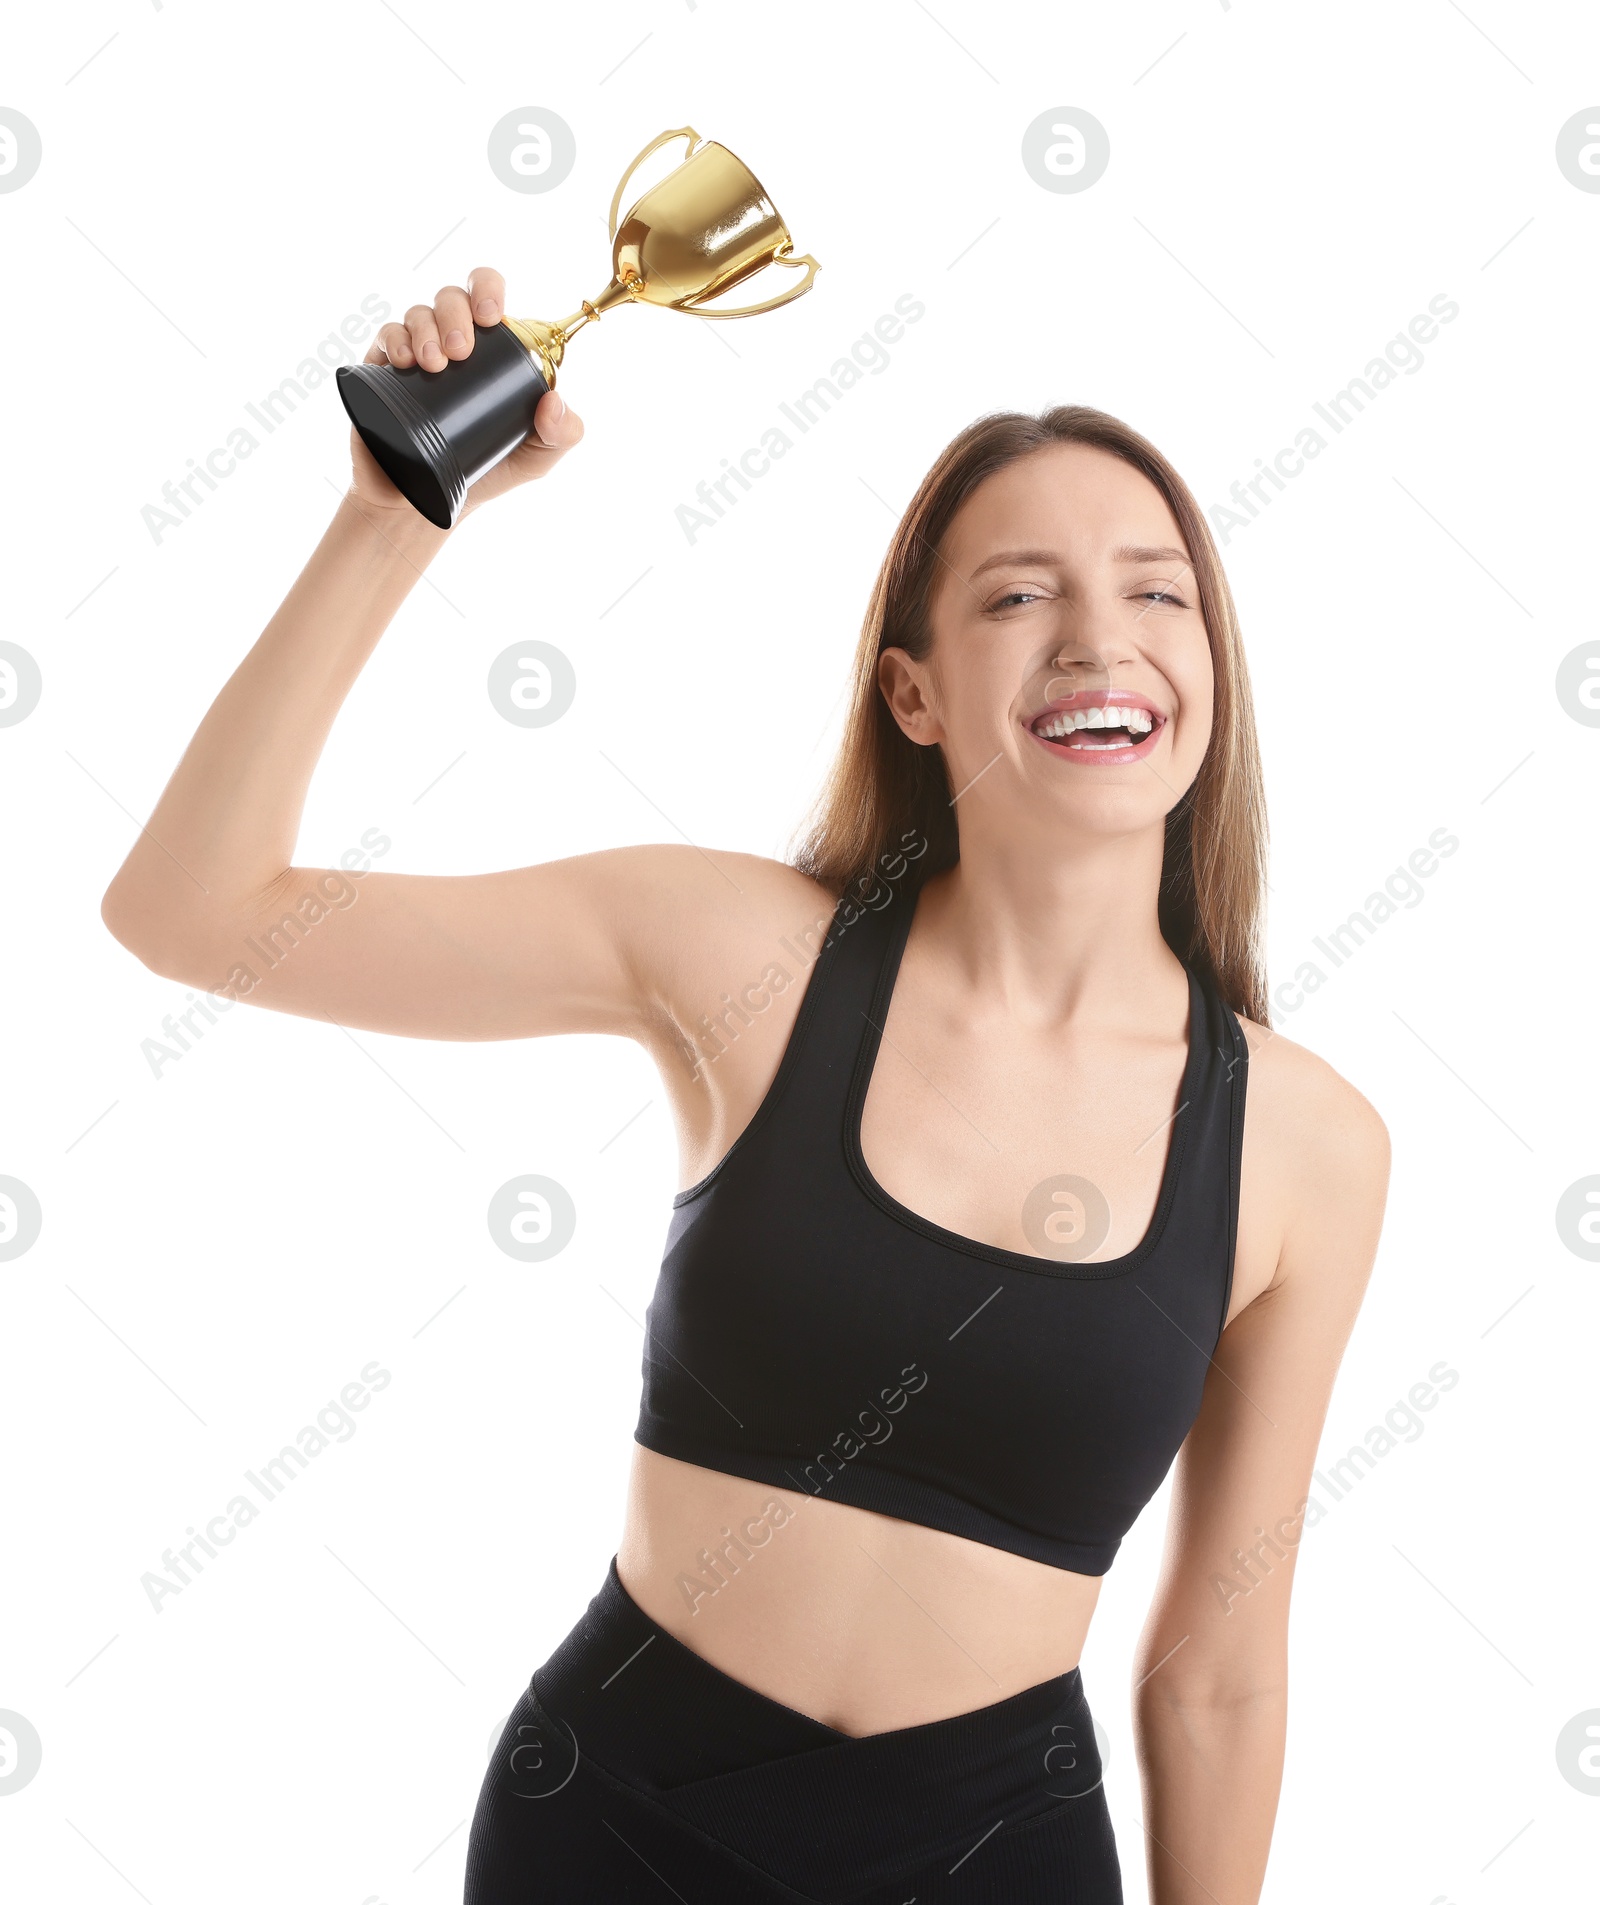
pixel 706 227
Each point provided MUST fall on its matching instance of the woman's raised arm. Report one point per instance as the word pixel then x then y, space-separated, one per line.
pixel 209 895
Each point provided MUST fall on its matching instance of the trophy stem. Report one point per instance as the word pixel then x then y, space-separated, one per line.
pixel 546 342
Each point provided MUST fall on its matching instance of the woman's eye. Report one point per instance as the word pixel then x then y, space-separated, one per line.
pixel 1163 595
pixel 1013 595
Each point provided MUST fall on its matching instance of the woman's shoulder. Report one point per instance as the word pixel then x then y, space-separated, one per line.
pixel 1315 1110
pixel 1316 1154
pixel 1315 1175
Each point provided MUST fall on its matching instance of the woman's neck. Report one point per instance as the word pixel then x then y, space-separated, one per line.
pixel 1075 935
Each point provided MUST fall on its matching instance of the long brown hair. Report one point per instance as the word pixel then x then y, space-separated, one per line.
pixel 884 788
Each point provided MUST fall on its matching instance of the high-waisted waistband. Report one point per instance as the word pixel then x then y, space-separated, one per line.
pixel 1003 1802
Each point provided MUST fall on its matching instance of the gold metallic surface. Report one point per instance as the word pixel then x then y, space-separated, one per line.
pixel 655 145
pixel 705 227
pixel 543 343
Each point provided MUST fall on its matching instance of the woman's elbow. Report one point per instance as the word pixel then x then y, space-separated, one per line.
pixel 157 938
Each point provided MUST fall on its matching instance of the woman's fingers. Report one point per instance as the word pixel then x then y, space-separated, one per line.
pixel 488 293
pixel 558 426
pixel 392 345
pixel 424 336
pixel 452 317
pixel 440 333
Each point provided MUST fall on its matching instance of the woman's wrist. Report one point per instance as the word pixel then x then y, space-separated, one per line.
pixel 396 529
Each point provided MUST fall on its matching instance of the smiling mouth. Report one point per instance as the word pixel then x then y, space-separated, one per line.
pixel 1115 730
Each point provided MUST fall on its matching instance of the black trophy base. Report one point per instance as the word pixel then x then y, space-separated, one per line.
pixel 435 432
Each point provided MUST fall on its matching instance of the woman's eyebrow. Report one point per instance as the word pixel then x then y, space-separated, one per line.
pixel 1128 552
pixel 1015 555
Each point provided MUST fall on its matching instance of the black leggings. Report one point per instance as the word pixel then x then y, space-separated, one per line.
pixel 633 1770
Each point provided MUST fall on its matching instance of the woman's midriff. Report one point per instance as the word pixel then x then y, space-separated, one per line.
pixel 863 1622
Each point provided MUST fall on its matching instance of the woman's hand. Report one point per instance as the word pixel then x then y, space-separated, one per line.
pixel 432 337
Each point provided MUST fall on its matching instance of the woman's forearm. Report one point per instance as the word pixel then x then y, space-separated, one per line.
pixel 226 824
pixel 1211 1767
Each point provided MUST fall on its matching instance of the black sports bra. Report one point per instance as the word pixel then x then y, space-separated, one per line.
pixel 809 1331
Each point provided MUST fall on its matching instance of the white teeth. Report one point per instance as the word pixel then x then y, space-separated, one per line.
pixel 1136 720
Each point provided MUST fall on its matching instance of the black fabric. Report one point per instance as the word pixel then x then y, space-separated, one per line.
pixel 809 1331
pixel 633 1770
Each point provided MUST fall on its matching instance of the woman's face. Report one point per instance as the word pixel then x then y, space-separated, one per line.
pixel 1069 679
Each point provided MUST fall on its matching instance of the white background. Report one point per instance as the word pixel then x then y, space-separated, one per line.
pixel 226 1245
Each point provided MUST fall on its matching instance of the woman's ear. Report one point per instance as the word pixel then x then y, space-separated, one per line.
pixel 907 687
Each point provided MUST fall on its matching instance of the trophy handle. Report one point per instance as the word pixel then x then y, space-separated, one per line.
pixel 655 145
pixel 755 310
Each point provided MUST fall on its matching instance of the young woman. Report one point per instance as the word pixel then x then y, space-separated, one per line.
pixel 980 1231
